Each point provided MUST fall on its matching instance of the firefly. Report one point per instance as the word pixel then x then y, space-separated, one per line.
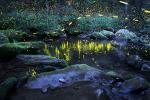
pixel 115 16
pixel 87 15
pixel 70 23
pixel 123 2
pixel 100 15
pixel 79 18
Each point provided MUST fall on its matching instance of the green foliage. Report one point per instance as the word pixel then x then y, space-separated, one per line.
pixel 7 23
pixel 96 23
pixel 38 20
pixel 49 22
pixel 13 35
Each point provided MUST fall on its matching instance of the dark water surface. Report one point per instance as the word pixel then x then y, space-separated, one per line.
pixel 91 52
pixel 99 54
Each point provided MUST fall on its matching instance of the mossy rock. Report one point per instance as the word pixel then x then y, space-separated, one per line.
pixel 6 86
pixel 124 34
pixel 98 35
pixel 68 75
pixel 134 85
pixel 9 50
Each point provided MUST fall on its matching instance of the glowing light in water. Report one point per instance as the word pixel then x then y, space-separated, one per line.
pixel 108 46
pixel 46 50
pixel 57 52
pixel 67 49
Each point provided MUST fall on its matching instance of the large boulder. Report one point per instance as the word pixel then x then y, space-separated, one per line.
pixel 140 64
pixel 135 85
pixel 42 60
pixel 3 39
pixel 134 61
pixel 9 50
pixel 6 86
pixel 124 34
pixel 64 77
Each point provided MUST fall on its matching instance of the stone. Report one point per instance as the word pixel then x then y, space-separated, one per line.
pixel 98 35
pixel 6 87
pixel 9 50
pixel 42 60
pixel 69 75
pixel 134 85
pixel 145 68
pixel 108 34
pixel 134 61
pixel 124 34
pixel 102 94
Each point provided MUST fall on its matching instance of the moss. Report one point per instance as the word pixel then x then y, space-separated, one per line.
pixel 9 50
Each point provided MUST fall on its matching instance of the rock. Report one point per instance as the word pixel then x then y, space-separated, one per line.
pixel 43 60
pixel 3 39
pixel 109 29
pixel 98 35
pixel 145 39
pixel 47 68
pixel 112 74
pixel 102 94
pixel 9 50
pixel 119 55
pixel 21 81
pixel 102 35
pixel 69 75
pixel 118 77
pixel 85 35
pixel 135 85
pixel 134 61
pixel 124 34
pixel 108 34
pixel 146 94
pixel 62 80
pixel 145 67
pixel 6 86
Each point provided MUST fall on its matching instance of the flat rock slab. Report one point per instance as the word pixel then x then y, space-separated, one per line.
pixel 34 60
pixel 64 77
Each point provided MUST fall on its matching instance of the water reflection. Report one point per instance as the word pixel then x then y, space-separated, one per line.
pixel 77 50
